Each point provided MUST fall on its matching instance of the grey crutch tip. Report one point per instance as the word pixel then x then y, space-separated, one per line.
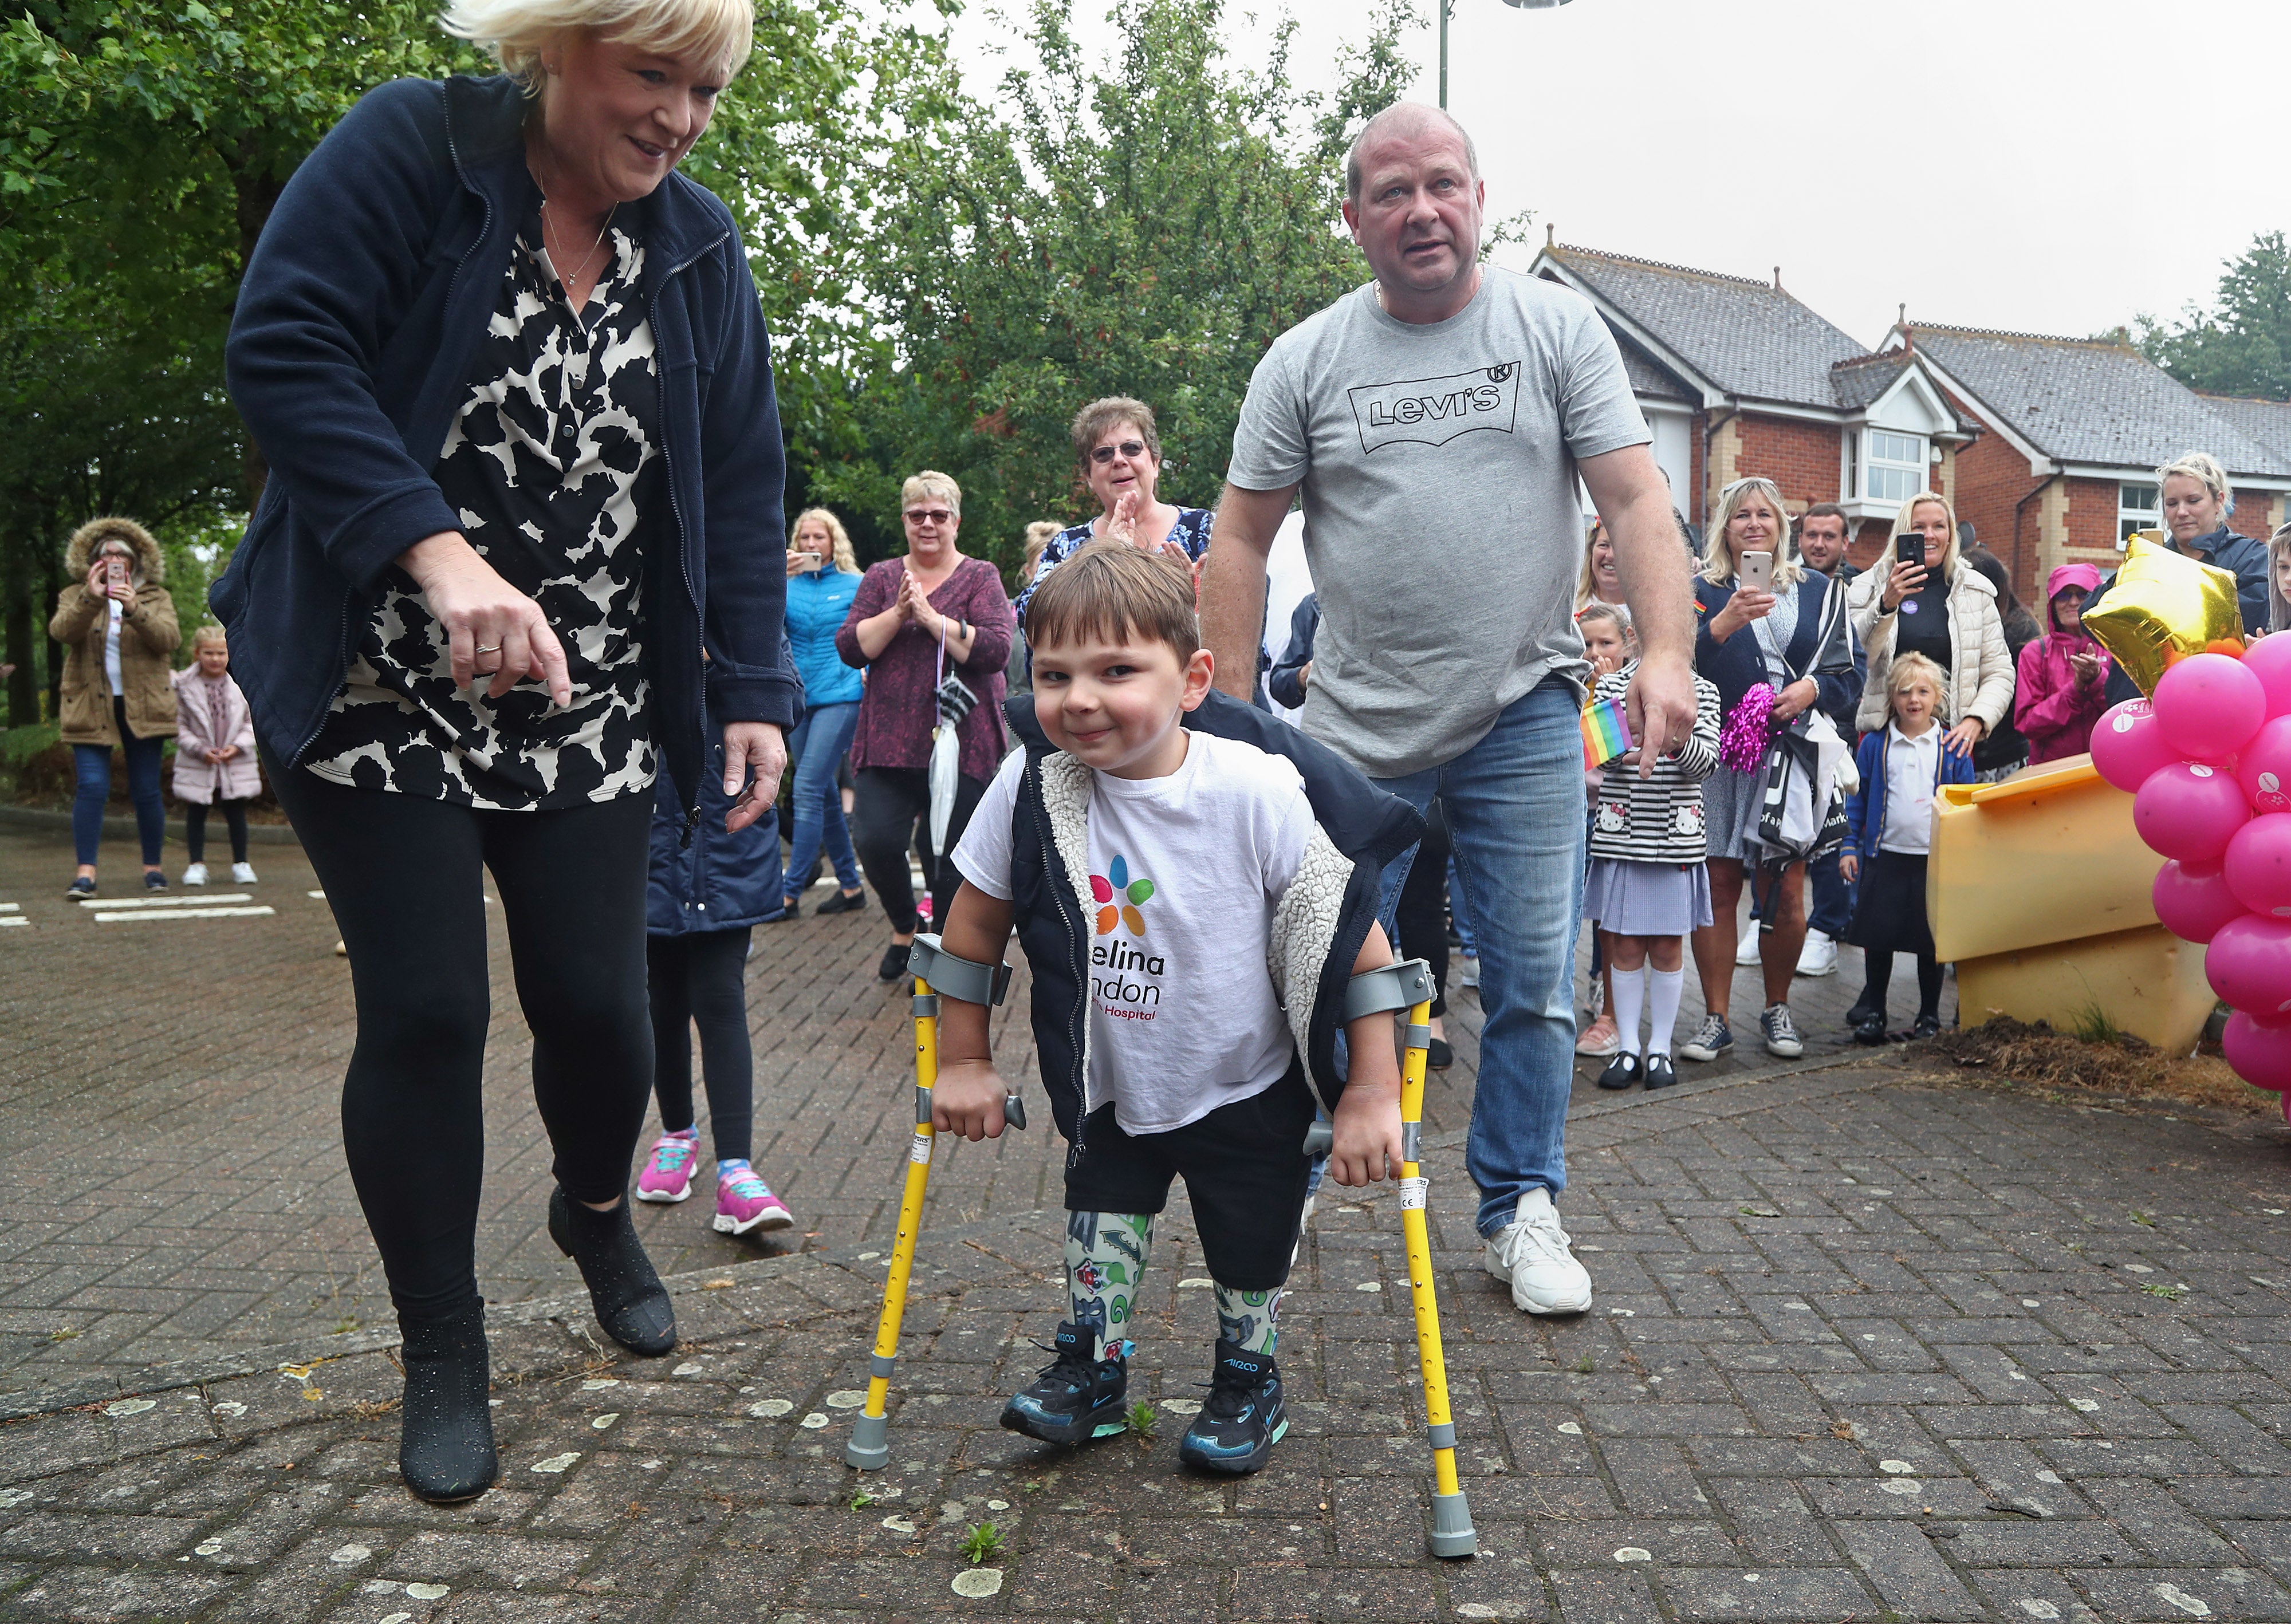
pixel 1451 1526
pixel 870 1448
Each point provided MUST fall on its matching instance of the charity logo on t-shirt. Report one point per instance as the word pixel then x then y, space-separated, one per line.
pixel 1130 989
pixel 1433 411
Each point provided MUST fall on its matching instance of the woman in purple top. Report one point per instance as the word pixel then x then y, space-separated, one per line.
pixel 916 621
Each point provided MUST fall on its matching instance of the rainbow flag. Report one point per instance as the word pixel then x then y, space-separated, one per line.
pixel 1606 732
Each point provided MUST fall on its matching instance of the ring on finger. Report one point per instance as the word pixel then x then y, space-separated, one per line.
pixel 488 648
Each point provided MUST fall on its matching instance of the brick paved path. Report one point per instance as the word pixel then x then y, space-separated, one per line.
pixel 171 1182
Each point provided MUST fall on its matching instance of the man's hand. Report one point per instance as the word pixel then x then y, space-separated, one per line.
pixel 1661 705
pixel 755 755
pixel 1367 1126
pixel 1233 582
pixel 968 1100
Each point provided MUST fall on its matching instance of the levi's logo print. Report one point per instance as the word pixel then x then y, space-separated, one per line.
pixel 1126 977
pixel 1433 411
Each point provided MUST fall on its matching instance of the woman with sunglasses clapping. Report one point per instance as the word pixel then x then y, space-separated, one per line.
pixel 918 622
pixel 1118 456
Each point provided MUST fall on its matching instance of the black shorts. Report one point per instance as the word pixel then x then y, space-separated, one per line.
pixel 1245 1166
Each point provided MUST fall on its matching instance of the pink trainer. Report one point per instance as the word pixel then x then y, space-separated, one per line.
pixel 745 1202
pixel 668 1172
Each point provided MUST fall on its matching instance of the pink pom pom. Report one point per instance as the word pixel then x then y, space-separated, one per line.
pixel 1742 741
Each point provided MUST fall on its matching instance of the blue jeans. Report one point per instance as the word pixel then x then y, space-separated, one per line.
pixel 1460 911
pixel 1515 806
pixel 1829 903
pixel 816 746
pixel 94 762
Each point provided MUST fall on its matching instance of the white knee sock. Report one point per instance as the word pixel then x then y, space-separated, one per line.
pixel 1630 999
pixel 1662 1007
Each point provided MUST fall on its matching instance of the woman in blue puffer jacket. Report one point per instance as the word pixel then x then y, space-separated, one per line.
pixel 823 579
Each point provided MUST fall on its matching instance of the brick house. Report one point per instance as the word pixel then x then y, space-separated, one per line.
pixel 1737 377
pixel 2074 430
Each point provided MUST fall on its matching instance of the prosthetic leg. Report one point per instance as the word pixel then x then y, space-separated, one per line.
pixel 870 1447
pixel 1408 985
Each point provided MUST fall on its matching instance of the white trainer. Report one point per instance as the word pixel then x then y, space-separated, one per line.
pixel 242 873
pixel 1746 951
pixel 1818 956
pixel 1531 1254
pixel 197 875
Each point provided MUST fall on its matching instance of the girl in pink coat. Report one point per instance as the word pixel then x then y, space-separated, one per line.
pixel 215 753
pixel 2063 675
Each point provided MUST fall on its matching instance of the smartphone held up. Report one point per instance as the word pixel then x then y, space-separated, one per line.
pixel 1758 572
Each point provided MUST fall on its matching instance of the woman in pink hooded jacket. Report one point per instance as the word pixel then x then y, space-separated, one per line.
pixel 2063 674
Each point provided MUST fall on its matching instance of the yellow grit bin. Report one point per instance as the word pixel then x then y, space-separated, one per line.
pixel 2039 891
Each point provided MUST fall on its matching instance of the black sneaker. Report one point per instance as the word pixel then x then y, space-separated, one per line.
pixel 154 880
pixel 82 888
pixel 895 962
pixel 1244 1417
pixel 1622 1071
pixel 1074 1398
pixel 840 904
pixel 1661 1074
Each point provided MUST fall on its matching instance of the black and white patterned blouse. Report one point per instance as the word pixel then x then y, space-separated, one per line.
pixel 554 464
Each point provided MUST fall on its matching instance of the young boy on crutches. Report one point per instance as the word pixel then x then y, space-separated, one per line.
pixel 1195 886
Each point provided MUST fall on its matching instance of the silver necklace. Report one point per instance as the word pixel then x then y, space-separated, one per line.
pixel 568 281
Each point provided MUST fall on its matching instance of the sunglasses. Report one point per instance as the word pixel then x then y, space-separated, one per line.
pixel 1103 455
pixel 929 516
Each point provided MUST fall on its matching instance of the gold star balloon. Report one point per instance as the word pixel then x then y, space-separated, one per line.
pixel 2163 607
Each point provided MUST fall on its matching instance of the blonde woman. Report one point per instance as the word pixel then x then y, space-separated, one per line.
pixel 823 579
pixel 1965 640
pixel 2197 499
pixel 930 617
pixel 470 344
pixel 1601 582
pixel 1793 639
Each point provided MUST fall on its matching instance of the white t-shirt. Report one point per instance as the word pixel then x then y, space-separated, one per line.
pixel 111 653
pixel 1185 871
pixel 1912 766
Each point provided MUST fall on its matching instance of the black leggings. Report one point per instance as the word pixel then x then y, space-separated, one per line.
pixel 703 978
pixel 405 879
pixel 195 828
pixel 890 800
pixel 1422 915
pixel 1878 964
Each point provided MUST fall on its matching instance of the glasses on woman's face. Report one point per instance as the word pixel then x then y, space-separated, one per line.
pixel 1131 449
pixel 929 516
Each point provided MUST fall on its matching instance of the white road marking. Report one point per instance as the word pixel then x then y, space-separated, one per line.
pixel 172 901
pixel 124 919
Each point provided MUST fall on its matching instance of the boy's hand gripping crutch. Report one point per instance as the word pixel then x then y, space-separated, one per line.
pixel 1407 985
pixel 870 1446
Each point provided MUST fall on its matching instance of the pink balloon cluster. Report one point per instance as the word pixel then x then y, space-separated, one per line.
pixel 2207 762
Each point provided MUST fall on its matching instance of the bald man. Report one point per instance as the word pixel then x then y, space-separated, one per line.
pixel 1434 421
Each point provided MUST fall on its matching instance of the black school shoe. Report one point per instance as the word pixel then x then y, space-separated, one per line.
pixel 1074 1398
pixel 895 962
pixel 1927 1027
pixel 446 1438
pixel 1623 1071
pixel 1870 1029
pixel 1244 1418
pixel 1661 1074
pixel 631 1303
pixel 1438 1055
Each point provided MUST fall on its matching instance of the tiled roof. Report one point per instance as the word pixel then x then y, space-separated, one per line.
pixel 1862 379
pixel 1647 376
pixel 2267 422
pixel 1749 339
pixel 2092 401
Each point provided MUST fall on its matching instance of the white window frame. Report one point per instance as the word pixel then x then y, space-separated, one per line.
pixel 1870 462
pixel 2129 519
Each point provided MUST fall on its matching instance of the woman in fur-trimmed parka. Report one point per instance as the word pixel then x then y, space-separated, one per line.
pixel 118 687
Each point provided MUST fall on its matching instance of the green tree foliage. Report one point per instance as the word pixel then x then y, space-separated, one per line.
pixel 1144 226
pixel 2242 345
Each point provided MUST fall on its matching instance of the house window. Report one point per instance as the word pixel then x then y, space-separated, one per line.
pixel 2138 507
pixel 1895 469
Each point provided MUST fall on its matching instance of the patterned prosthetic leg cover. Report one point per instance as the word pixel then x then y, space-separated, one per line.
pixel 1107 1254
pixel 1247 1318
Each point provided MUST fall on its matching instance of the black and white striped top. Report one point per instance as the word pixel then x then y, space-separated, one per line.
pixel 1658 818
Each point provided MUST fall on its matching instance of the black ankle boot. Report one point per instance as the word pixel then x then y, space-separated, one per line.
pixel 631 1303
pixel 445 1441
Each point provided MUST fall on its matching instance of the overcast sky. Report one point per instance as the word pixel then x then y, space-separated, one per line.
pixel 2043 165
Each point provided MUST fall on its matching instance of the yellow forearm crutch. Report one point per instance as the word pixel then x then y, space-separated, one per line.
pixel 1408 985
pixel 870 1448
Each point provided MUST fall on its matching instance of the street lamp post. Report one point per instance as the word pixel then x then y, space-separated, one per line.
pixel 1447 7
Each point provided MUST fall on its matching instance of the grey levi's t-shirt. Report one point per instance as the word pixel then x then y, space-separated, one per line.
pixel 1441 517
